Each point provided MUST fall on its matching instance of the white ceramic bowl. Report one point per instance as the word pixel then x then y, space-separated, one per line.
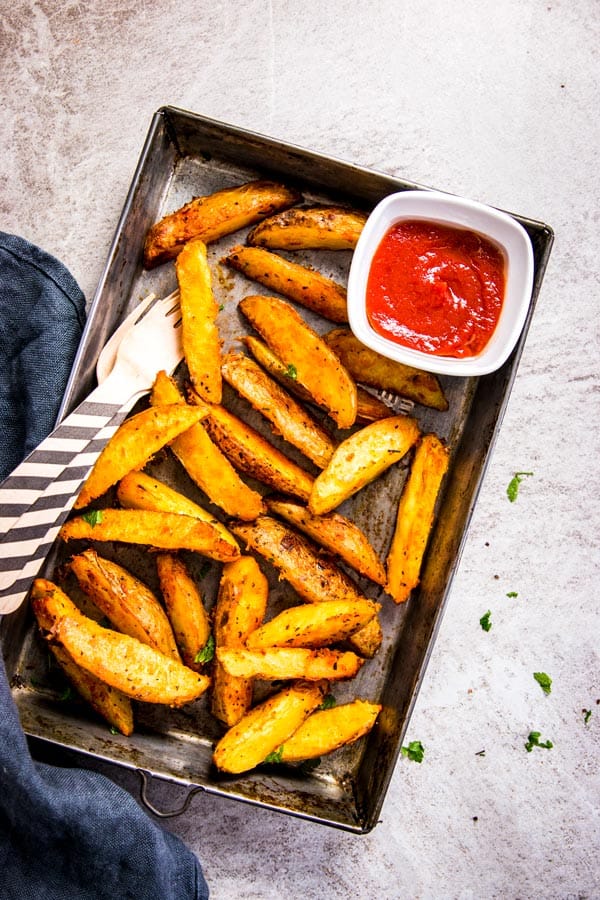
pixel 446 209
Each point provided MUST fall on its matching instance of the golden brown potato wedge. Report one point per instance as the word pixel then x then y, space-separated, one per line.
pixel 306 355
pixel 165 531
pixel 125 600
pixel 334 532
pixel 326 730
pixel 134 443
pixel 369 367
pixel 415 516
pixel 314 227
pixel 185 609
pixel 126 664
pixel 286 416
pixel 49 602
pixel 298 283
pixel 206 465
pixel 266 727
pixel 314 625
pixel 239 610
pixel 367 640
pixel 199 332
pixel 140 491
pixel 360 459
pixel 213 216
pixel 290 663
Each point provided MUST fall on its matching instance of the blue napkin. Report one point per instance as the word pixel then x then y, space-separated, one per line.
pixel 64 832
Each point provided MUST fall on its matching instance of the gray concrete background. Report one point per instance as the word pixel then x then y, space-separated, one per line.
pixel 495 101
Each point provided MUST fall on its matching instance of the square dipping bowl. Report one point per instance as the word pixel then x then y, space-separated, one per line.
pixel 446 209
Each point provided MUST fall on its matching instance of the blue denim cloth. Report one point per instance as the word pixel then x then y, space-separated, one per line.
pixel 64 832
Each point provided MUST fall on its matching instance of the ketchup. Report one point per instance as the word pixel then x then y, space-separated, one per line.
pixel 436 288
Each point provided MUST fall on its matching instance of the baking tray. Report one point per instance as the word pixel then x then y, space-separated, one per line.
pixel 187 155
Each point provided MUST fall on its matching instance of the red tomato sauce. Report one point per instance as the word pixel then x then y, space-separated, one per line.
pixel 436 288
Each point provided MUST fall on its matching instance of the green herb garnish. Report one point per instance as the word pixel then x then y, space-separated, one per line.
pixel 587 714
pixel 513 486
pixel 291 372
pixel 328 702
pixel 208 651
pixel 534 741
pixel 485 621
pixel 512 594
pixel 544 681
pixel 414 751
pixel 274 756
pixel 67 694
pixel 93 517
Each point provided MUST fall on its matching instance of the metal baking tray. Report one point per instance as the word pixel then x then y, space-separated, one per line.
pixel 186 155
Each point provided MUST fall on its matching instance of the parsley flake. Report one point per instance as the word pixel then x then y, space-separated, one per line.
pixel 328 702
pixel 512 594
pixel 485 621
pixel 414 751
pixel 544 681
pixel 587 714
pixel 513 486
pixel 93 517
pixel 534 741
pixel 291 372
pixel 274 756
pixel 208 651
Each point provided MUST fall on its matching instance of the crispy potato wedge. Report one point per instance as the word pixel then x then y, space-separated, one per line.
pixel 368 407
pixel 369 367
pixel 140 491
pixel 185 609
pixel 310 228
pixel 290 663
pixel 266 727
pixel 334 532
pixel 415 516
pixel 206 465
pixel 301 349
pixel 125 600
pixel 251 453
pixel 360 459
pixel 239 610
pixel 298 283
pixel 367 640
pixel 314 625
pixel 126 664
pixel 326 730
pixel 199 310
pixel 210 218
pixel 134 443
pixel 286 416
pixel 163 530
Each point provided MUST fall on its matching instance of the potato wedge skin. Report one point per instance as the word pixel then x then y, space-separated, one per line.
pixel 315 625
pixel 297 345
pixel 213 216
pixel 204 462
pixel 298 283
pixel 360 459
pixel 315 227
pixel 290 663
pixel 199 310
pixel 286 416
pixel 415 517
pixel 132 445
pixel 326 730
pixel 239 610
pixel 266 727
pixel 334 532
pixel 369 367
pixel 126 601
pixel 185 610
pixel 165 531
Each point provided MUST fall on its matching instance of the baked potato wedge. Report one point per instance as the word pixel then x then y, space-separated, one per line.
pixel 326 730
pixel 415 516
pixel 371 368
pixel 290 663
pixel 213 216
pixel 298 283
pixel 265 727
pixel 286 416
pixel 206 465
pixel 134 443
pixel 361 458
pixel 310 228
pixel 334 532
pixel 314 625
pixel 49 602
pixel 367 640
pixel 163 530
pixel 199 332
pixel 305 354
pixel 188 617
pixel 239 610
pixel 127 602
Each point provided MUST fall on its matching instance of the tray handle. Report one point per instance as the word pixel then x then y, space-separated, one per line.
pixel 146 777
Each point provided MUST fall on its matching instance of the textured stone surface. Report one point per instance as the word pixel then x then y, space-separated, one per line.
pixel 494 101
